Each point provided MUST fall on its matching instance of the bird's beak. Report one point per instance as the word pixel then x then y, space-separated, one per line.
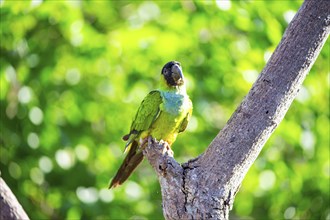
pixel 177 74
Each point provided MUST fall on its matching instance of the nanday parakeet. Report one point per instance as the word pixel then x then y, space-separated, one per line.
pixel 163 114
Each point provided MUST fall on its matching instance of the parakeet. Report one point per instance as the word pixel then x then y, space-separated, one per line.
pixel 163 114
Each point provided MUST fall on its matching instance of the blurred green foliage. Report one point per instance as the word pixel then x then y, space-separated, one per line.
pixel 74 72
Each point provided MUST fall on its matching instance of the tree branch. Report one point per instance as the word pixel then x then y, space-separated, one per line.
pixel 170 175
pixel 10 207
pixel 205 187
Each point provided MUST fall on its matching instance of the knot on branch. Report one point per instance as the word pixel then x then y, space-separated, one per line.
pixel 160 156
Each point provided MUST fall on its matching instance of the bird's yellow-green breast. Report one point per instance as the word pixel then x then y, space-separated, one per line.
pixel 174 109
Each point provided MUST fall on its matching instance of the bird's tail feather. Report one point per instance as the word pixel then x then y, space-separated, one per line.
pixel 132 160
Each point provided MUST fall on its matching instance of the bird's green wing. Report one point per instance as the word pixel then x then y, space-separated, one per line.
pixel 185 121
pixel 148 111
pixel 145 116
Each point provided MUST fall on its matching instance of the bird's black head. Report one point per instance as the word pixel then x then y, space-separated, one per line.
pixel 172 73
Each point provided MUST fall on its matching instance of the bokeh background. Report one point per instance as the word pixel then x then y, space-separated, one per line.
pixel 73 74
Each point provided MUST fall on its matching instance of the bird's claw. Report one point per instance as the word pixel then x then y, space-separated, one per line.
pixel 167 149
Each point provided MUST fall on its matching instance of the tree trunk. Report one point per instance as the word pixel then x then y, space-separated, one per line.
pixel 205 187
pixel 10 207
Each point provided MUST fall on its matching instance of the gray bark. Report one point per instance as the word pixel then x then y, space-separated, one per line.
pixel 10 207
pixel 205 187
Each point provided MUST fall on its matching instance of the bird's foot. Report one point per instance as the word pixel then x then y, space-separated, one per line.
pixel 143 142
pixel 167 149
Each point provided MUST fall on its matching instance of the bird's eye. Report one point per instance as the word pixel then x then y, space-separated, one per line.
pixel 165 71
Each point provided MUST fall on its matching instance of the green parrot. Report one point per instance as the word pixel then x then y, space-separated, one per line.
pixel 163 114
